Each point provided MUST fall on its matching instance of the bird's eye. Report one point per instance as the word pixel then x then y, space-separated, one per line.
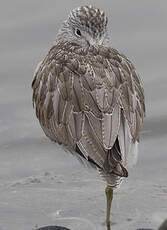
pixel 78 32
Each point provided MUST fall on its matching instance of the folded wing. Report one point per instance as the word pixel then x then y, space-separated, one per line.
pixel 92 104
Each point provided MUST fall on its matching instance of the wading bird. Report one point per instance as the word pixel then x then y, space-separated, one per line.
pixel 89 98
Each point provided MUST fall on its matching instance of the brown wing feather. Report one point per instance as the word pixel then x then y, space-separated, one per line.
pixel 87 101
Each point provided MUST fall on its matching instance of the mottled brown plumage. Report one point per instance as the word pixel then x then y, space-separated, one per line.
pixel 89 98
pixel 83 98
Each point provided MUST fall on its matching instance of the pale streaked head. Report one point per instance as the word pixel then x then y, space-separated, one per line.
pixel 85 26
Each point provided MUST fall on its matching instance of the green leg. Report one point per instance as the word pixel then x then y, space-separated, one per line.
pixel 109 197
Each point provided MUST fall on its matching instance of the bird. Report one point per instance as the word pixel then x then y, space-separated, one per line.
pixel 89 98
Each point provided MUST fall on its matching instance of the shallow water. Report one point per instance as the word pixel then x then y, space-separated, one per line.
pixel 40 184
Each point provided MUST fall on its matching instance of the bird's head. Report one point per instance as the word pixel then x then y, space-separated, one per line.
pixel 85 26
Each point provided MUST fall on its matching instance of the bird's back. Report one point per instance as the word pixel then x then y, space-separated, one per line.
pixel 92 102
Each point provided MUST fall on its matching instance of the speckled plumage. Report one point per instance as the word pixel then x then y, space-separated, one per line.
pixel 90 99
pixel 91 18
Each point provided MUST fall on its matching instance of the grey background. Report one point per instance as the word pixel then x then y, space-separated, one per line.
pixel 40 184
